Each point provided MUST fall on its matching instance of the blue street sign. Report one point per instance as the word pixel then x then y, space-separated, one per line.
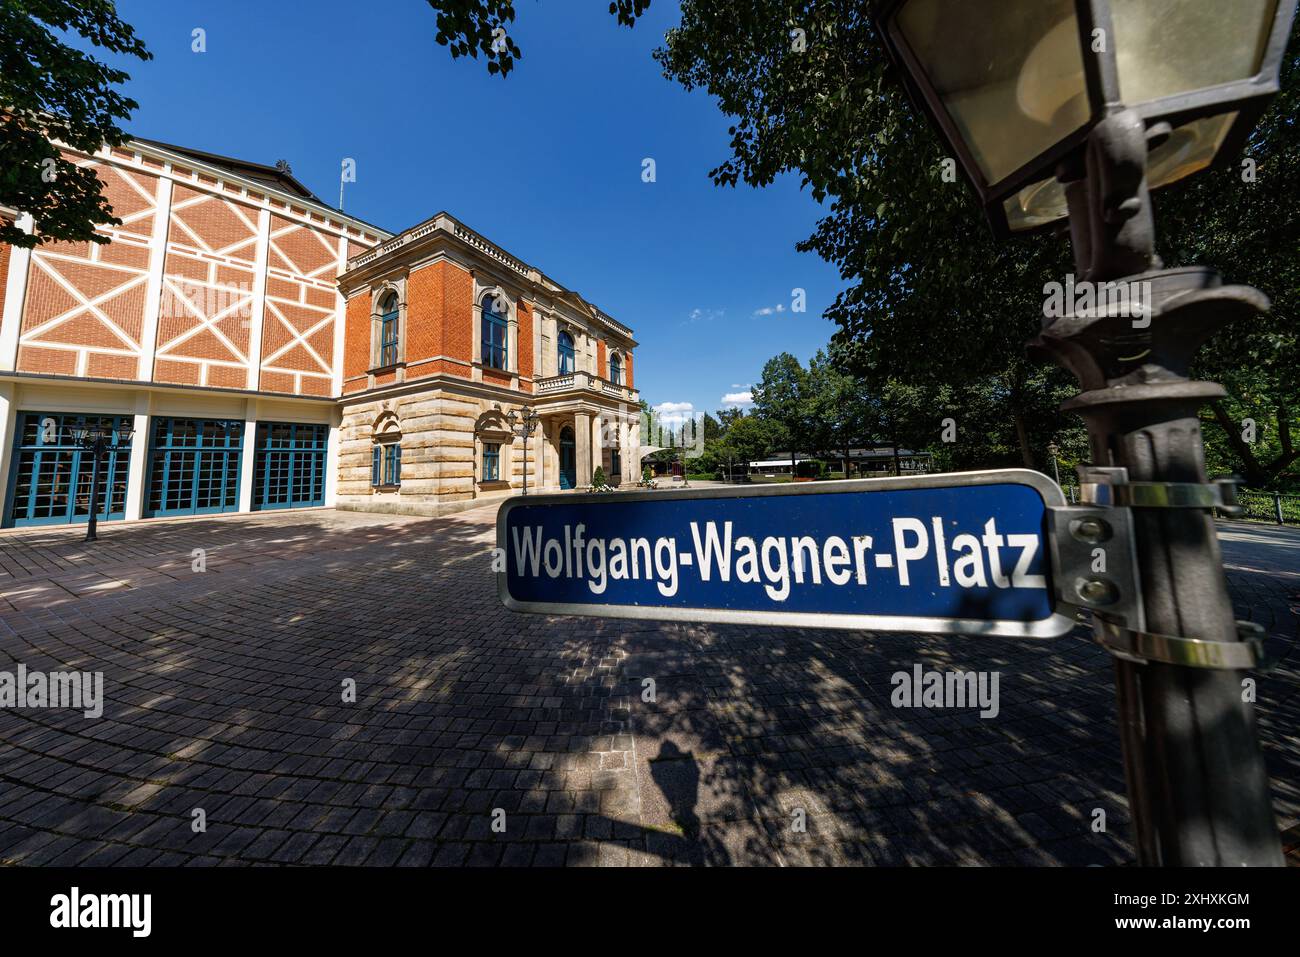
pixel 964 553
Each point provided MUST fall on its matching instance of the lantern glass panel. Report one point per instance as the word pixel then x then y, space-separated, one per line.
pixel 1009 73
pixel 1189 149
pixel 1170 47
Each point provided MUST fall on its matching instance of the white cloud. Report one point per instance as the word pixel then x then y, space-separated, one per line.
pixel 704 315
pixel 673 414
pixel 770 310
pixel 733 399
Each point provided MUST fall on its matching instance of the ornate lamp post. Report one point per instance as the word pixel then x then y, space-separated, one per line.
pixel 523 425
pixel 97 440
pixel 1076 109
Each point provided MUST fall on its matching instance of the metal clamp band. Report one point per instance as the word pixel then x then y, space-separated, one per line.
pixel 1144 647
pixel 1110 486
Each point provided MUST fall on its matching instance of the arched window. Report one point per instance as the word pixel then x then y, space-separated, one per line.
pixel 615 369
pixel 386 452
pixel 388 330
pixel 495 334
pixel 565 349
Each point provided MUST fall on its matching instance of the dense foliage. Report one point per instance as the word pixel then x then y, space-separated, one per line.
pixel 51 92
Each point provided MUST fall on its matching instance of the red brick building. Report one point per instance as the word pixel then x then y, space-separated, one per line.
pixel 269 351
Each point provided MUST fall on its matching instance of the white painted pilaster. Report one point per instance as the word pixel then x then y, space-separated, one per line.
pixel 15 295
pixel 258 311
pixel 340 323
pixel 8 422
pixel 247 455
pixel 138 463
pixel 153 297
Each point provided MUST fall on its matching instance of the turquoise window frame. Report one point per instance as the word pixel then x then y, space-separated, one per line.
pixel 33 457
pixel 566 360
pixel 496 352
pixel 386 465
pixel 289 462
pixel 388 333
pixel 186 467
pixel 491 462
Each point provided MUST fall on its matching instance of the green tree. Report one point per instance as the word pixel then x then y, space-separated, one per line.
pixel 841 408
pixel 727 416
pixel 53 93
pixel 468 27
pixel 711 428
pixel 782 398
pixel 932 297
pixel 749 439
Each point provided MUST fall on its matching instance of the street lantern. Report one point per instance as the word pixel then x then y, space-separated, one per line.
pixel 1078 109
pixel 96 440
pixel 523 425
pixel 1016 86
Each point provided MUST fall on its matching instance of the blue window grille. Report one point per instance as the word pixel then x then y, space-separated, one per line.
pixel 388 332
pixel 495 331
pixel 615 369
pixel 50 476
pixel 194 466
pixel 491 462
pixel 289 465
pixel 565 350
pixel 386 465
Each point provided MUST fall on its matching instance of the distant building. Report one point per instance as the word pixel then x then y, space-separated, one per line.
pixel 873 462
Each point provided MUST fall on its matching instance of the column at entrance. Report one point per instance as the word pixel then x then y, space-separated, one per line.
pixel 627 449
pixel 582 436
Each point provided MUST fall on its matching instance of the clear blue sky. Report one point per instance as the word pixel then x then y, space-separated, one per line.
pixel 546 163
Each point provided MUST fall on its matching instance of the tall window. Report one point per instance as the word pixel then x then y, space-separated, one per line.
pixel 494 332
pixel 615 369
pixel 388 331
pixel 565 349
pixel 491 462
pixel 386 465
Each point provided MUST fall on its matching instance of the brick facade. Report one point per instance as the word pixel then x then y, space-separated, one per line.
pixel 206 281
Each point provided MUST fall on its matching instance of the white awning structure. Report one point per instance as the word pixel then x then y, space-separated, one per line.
pixel 652 449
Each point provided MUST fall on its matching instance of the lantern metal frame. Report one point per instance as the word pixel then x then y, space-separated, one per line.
pixel 1248 97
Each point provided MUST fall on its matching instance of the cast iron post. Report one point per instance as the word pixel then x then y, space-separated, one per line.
pixel 96 449
pixel 1198 790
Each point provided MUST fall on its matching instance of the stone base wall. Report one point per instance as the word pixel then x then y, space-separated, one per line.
pixel 441 455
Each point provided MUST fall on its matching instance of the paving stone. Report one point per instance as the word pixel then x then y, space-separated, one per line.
pixel 223 692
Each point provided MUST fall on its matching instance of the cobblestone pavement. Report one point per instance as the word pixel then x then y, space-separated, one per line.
pixel 224 692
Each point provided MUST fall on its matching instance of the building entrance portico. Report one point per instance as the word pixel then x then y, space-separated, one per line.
pixel 582 436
